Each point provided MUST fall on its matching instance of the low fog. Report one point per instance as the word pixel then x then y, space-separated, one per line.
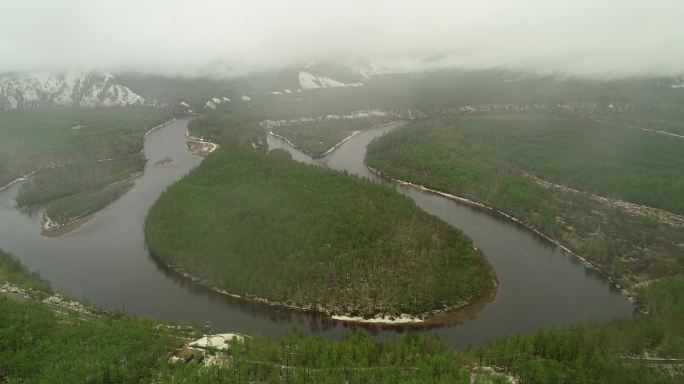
pixel 210 37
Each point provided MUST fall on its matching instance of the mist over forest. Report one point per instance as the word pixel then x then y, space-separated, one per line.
pixel 211 37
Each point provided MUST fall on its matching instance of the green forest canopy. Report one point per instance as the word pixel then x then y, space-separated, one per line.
pixel 261 224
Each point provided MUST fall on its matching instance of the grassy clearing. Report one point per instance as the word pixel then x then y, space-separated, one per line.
pixel 486 159
pixel 262 224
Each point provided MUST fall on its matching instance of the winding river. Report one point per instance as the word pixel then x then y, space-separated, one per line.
pixel 106 262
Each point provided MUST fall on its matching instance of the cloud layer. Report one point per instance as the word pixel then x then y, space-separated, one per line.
pixel 581 37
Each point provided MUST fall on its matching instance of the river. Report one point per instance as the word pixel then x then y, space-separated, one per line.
pixel 106 262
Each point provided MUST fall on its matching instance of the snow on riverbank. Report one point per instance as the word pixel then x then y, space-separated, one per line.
pixel 56 301
pixel 402 319
pixel 473 203
pixel 22 178
pixel 159 126
pixel 202 147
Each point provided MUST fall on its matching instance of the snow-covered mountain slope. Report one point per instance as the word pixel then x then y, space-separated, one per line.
pixel 309 81
pixel 214 102
pixel 679 83
pixel 71 89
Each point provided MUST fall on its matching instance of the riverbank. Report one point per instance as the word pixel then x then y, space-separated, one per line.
pixel 497 164
pixel 334 147
pixel 201 147
pixel 57 221
pixel 73 191
pixel 441 317
pixel 624 350
pixel 630 294
pixel 19 179
pixel 90 202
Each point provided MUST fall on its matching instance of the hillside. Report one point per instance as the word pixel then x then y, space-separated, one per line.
pixel 70 89
pixel 609 192
pixel 47 340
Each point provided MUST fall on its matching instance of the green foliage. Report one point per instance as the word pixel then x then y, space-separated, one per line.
pixel 37 345
pixel 70 180
pixel 299 358
pixel 257 223
pixel 488 159
pixel 77 206
pixel 13 271
pixel 40 346
pixel 31 140
pixel 606 159
pixel 663 296
pixel 616 352
pixel 79 151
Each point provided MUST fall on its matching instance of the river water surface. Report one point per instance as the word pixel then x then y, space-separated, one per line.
pixel 106 262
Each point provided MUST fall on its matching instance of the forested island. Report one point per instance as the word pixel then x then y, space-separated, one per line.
pixel 260 225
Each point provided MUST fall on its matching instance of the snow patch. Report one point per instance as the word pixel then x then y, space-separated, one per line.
pixel 363 114
pixel 403 319
pixel 215 102
pixel 218 341
pixel 307 81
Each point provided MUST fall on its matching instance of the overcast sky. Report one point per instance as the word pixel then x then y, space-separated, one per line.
pixel 586 37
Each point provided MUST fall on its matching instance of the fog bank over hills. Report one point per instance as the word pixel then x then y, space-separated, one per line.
pixel 610 38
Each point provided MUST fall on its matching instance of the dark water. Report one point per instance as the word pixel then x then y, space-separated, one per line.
pixel 106 262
